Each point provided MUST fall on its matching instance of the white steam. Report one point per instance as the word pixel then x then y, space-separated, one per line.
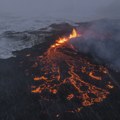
pixel 102 41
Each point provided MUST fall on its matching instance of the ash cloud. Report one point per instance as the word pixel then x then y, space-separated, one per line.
pixel 102 41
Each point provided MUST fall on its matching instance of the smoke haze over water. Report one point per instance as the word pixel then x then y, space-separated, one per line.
pixel 66 9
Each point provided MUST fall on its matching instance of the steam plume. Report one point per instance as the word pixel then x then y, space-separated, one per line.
pixel 102 41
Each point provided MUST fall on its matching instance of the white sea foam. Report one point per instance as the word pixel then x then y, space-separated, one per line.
pixel 21 24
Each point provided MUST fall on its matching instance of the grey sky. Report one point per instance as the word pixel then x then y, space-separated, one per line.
pixel 61 8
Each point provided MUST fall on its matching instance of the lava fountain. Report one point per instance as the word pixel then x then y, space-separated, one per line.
pixel 65 75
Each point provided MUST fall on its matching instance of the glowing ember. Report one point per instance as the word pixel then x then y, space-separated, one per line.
pixel 73 77
pixel 70 96
pixel 94 77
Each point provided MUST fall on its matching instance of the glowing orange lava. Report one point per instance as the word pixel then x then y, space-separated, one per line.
pixel 63 71
pixel 63 40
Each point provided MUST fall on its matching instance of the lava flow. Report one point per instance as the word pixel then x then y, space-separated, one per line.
pixel 63 74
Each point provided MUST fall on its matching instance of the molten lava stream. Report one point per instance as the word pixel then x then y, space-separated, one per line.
pixel 70 82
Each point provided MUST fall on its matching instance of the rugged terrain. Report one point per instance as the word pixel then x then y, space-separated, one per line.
pixel 44 83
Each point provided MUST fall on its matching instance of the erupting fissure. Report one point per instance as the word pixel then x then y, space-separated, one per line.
pixel 63 40
pixel 63 72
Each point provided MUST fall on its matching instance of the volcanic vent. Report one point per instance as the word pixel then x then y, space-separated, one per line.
pixel 64 76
